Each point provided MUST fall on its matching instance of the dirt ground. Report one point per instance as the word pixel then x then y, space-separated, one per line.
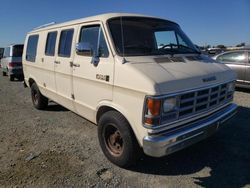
pixel 57 148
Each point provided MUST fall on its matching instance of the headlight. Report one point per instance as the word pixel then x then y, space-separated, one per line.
pixel 169 104
pixel 230 87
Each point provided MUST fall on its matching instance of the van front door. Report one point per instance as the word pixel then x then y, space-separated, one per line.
pixel 92 70
pixel 63 70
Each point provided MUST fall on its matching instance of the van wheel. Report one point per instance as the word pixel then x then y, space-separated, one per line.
pixel 39 101
pixel 117 139
pixel 4 73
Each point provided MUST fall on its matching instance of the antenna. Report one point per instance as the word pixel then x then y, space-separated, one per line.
pixel 44 25
pixel 123 49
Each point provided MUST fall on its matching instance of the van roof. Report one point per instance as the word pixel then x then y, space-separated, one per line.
pixel 100 17
pixel 14 45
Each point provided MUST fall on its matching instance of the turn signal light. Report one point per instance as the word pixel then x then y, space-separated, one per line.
pixel 154 106
pixel 151 121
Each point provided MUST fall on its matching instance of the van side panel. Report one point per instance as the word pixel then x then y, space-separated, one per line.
pixel 63 71
pixel 41 71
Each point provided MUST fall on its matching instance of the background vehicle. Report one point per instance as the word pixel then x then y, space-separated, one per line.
pixel 239 61
pixel 1 53
pixel 214 51
pixel 11 62
pixel 153 91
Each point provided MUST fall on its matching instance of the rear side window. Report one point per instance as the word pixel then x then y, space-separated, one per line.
pixel 248 57
pixel 32 48
pixel 93 35
pixel 233 57
pixel 1 52
pixel 65 43
pixel 17 51
pixel 50 44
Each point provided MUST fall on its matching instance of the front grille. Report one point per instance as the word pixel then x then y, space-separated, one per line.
pixel 192 103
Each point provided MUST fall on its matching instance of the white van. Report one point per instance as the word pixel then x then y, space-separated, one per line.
pixel 11 63
pixel 139 78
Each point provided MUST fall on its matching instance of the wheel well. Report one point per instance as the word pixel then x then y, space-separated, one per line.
pixel 31 81
pixel 102 110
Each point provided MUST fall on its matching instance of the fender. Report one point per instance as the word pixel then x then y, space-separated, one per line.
pixel 124 112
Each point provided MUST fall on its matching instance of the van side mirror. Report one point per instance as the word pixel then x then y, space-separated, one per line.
pixel 84 48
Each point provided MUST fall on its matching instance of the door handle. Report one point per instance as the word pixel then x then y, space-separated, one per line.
pixel 74 64
pixel 57 62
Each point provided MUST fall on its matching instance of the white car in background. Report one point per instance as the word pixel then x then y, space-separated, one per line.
pixel 11 63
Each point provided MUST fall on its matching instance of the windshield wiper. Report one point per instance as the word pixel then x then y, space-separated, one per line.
pixel 171 45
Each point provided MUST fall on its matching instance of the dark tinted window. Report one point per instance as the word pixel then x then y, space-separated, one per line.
pixel 248 57
pixel 135 36
pixel 1 52
pixel 32 48
pixel 17 51
pixel 50 43
pixel 91 35
pixel 233 57
pixel 65 43
pixel 6 52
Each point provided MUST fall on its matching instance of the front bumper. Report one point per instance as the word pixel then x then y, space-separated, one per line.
pixel 163 144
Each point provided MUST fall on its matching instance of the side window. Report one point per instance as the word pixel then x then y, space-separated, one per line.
pixel 233 57
pixel 248 57
pixel 65 43
pixel 93 35
pixel 17 51
pixel 1 52
pixel 50 44
pixel 32 48
pixel 6 52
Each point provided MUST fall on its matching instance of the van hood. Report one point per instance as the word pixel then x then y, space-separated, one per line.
pixel 173 74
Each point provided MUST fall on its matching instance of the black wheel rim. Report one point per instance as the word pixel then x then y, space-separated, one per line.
pixel 113 140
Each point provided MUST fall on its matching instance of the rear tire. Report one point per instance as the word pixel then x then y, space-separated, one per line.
pixel 11 77
pixel 39 101
pixel 4 73
pixel 117 139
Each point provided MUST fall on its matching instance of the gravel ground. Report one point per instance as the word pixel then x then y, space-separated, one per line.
pixel 57 148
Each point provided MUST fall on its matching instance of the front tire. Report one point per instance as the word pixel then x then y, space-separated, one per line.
pixel 117 139
pixel 39 101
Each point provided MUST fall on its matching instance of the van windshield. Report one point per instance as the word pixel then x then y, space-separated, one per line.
pixel 148 36
pixel 17 51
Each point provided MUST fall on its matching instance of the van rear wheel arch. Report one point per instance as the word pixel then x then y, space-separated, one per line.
pixel 31 82
pixel 39 101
